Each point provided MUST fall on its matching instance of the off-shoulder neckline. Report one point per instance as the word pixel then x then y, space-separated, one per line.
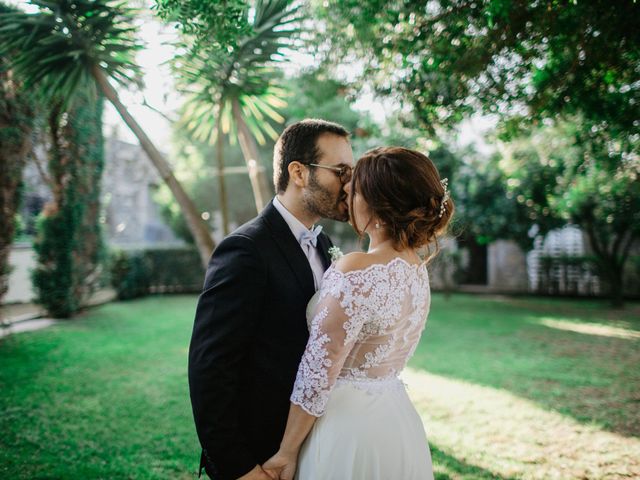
pixel 417 266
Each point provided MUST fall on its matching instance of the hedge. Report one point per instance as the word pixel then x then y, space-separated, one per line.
pixel 135 273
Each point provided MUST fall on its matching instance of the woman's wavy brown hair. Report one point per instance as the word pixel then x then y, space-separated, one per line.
pixel 403 190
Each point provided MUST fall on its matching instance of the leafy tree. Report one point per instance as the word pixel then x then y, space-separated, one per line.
pixel 484 210
pixel 212 25
pixel 237 91
pixel 71 43
pixel 519 59
pixel 561 174
pixel 315 94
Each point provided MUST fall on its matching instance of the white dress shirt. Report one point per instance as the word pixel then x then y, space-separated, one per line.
pixel 298 229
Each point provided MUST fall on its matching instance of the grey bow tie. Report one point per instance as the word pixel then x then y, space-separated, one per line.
pixel 310 237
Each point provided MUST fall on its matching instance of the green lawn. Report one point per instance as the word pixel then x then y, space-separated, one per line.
pixel 102 396
pixel 105 395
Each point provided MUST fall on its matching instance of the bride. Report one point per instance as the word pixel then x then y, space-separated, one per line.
pixel 350 416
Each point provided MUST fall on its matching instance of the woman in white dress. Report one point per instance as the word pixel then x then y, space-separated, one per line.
pixel 350 416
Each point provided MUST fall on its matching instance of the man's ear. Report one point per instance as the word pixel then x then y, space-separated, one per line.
pixel 297 174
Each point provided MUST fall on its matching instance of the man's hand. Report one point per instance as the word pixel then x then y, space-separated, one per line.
pixel 256 474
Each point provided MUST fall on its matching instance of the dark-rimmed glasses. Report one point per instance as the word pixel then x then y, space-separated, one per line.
pixel 343 173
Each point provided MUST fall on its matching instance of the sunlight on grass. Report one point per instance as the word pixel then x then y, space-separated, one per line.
pixel 513 437
pixel 588 328
pixel 500 344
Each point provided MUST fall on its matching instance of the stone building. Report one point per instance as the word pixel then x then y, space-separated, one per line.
pixel 132 218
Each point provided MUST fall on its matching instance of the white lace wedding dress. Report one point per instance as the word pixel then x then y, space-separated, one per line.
pixel 365 325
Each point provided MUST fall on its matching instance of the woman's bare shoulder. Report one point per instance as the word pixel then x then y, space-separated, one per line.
pixel 354 261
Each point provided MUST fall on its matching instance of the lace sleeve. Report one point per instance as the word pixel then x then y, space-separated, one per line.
pixel 338 318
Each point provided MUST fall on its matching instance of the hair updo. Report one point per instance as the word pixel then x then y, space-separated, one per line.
pixel 402 189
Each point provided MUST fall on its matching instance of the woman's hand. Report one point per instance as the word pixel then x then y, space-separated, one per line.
pixel 282 466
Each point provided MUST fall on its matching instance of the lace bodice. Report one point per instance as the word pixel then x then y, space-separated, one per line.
pixel 365 326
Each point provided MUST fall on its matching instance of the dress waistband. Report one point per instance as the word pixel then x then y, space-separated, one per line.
pixel 372 385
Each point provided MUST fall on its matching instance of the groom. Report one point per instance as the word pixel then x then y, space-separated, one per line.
pixel 250 328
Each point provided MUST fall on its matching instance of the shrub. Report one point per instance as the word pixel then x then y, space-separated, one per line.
pixel 136 273
pixel 130 274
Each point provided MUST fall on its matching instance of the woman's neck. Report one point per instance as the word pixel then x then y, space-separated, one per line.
pixel 382 245
pixel 379 243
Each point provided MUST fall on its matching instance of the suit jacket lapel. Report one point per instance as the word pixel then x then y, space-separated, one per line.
pixel 324 244
pixel 290 248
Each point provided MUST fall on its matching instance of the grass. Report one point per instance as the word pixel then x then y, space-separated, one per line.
pixel 103 396
pixel 106 396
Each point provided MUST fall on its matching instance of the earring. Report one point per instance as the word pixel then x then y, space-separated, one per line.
pixel 377 225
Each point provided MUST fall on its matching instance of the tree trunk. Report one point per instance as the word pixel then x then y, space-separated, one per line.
pixel 619 256
pixel 617 289
pixel 611 265
pixel 197 226
pixel 259 184
pixel 224 206
pixel 614 276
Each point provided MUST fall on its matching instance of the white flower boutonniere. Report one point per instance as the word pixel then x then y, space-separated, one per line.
pixel 335 253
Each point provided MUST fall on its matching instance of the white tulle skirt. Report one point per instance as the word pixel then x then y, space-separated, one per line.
pixel 370 431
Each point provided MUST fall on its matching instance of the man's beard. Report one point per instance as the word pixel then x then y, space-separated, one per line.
pixel 318 200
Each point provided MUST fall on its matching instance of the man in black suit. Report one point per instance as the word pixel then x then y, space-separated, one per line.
pixel 250 328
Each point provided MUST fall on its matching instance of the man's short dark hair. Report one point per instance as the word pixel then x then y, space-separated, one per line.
pixel 298 142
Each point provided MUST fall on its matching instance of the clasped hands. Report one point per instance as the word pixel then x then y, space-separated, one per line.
pixel 282 466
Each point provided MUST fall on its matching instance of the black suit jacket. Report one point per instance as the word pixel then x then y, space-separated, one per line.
pixel 248 338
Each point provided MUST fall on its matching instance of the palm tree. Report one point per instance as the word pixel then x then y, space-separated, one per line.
pixel 70 43
pixel 238 93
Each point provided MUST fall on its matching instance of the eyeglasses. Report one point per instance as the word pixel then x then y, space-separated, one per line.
pixel 343 173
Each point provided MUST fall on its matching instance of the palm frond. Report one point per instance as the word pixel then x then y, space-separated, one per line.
pixel 246 74
pixel 267 109
pixel 255 129
pixel 54 49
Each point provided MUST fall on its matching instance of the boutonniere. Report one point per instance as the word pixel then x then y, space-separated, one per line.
pixel 335 253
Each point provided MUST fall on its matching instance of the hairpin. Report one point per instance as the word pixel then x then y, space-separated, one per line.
pixel 445 183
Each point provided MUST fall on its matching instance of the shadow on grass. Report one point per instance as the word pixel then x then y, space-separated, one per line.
pixel 447 467
pixel 509 344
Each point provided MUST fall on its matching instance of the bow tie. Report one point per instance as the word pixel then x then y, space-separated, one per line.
pixel 310 237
